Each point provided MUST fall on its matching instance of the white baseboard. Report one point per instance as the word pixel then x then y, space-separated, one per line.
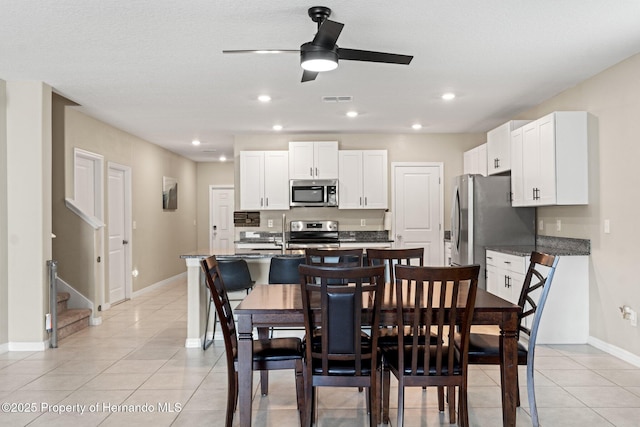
pixel 158 285
pixel 618 352
pixel 29 346
pixel 193 343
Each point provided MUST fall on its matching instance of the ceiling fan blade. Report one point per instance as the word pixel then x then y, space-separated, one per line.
pixel 309 75
pixel 370 56
pixel 262 51
pixel 328 33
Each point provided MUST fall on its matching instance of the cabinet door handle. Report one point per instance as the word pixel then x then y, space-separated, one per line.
pixel 360 201
pixel 365 201
pixel 261 202
pixel 317 173
pixel 497 163
pixel 311 172
pixel 266 202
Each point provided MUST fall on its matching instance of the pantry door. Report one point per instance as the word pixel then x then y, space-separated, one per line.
pixel 417 209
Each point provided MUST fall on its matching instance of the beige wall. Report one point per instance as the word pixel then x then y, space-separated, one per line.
pixel 28 201
pixel 613 98
pixel 4 280
pixel 160 236
pixel 445 148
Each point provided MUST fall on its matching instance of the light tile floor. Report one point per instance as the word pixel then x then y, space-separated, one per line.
pixel 134 370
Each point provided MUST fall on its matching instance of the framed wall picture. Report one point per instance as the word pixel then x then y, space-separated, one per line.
pixel 169 193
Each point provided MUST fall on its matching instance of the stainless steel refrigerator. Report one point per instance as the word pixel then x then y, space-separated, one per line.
pixel 482 216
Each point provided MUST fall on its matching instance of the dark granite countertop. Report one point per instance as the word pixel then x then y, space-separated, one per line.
pixel 343 236
pixel 561 246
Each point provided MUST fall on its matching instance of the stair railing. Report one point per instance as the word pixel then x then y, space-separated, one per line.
pixel 53 302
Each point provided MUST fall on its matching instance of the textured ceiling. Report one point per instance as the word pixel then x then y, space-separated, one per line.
pixel 156 68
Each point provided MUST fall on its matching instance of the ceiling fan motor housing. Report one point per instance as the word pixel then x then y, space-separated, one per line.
pixel 318 58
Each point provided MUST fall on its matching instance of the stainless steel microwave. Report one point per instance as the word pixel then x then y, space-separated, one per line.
pixel 313 193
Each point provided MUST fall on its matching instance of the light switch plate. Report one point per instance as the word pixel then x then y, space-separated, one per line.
pixel 607 226
pixel 558 225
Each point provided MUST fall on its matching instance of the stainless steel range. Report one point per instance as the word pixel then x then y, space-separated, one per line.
pixel 313 234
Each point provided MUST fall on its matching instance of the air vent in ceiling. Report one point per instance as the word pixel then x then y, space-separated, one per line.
pixel 337 98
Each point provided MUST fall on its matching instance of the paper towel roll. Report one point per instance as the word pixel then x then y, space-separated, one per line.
pixel 387 220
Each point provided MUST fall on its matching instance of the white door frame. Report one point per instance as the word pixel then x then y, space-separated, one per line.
pixel 128 227
pixel 440 166
pixel 216 187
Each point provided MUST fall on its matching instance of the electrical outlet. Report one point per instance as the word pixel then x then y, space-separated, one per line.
pixel 270 223
pixel 607 226
pixel 47 321
pixel 558 225
pixel 363 222
pixel 540 225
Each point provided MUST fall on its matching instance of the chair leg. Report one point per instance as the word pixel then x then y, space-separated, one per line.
pixel 400 403
pixel 374 398
pixel 386 385
pixel 232 397
pixel 451 398
pixel 531 391
pixel 299 371
pixel 207 343
pixel 441 398
pixel 463 407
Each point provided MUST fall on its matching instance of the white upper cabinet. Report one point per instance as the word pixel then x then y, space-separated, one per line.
pixel 555 160
pixel 313 159
pixel 499 146
pixel 475 160
pixel 363 179
pixel 264 180
pixel 517 184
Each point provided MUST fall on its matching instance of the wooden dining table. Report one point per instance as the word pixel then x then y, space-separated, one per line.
pixel 281 305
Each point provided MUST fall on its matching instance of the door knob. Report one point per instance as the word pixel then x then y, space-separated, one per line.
pixel 125 242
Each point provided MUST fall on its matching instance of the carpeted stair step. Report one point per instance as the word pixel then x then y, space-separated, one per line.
pixel 72 320
pixel 61 301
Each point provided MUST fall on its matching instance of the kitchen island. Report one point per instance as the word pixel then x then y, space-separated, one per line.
pixel 258 258
pixel 197 296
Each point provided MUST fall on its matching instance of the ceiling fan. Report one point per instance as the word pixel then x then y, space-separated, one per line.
pixel 322 53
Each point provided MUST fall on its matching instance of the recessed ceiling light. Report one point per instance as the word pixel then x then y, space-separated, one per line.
pixel 195 142
pixel 223 158
pixel 416 126
pixel 277 127
pixel 264 98
pixel 448 96
pixel 352 114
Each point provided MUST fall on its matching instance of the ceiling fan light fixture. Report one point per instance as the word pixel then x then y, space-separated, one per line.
pixel 318 59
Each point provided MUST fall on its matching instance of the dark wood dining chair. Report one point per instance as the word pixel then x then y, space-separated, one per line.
pixel 351 257
pixel 268 354
pixel 390 258
pixel 337 353
pixel 484 349
pixel 440 300
pixel 237 277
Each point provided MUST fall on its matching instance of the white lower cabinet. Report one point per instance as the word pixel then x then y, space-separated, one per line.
pixel 565 319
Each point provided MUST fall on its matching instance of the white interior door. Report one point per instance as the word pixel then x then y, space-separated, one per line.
pixel 221 228
pixel 417 209
pixel 119 232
